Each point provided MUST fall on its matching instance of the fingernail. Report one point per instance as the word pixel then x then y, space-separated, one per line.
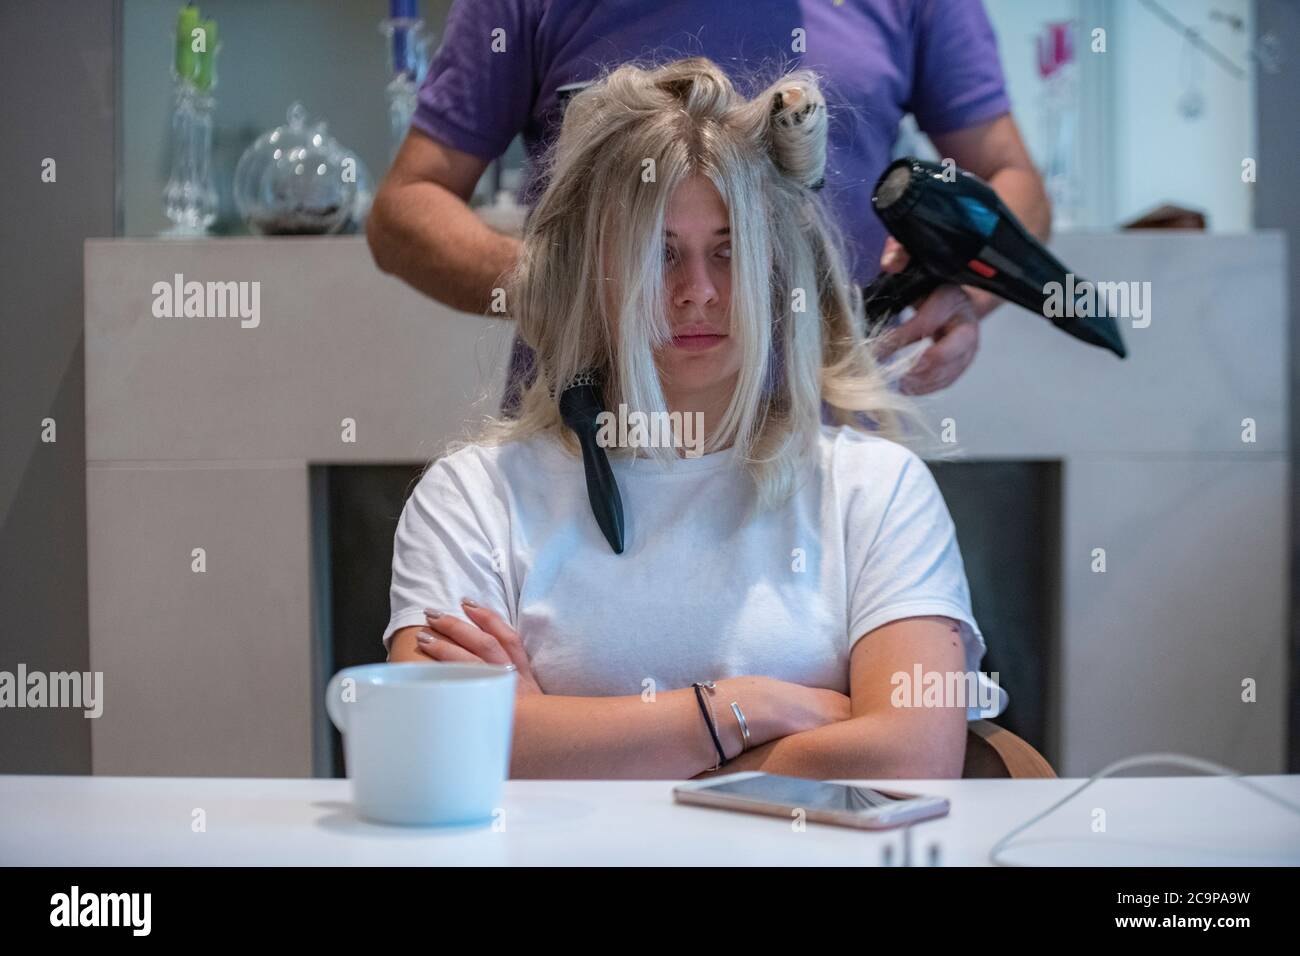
pixel 430 612
pixel 423 637
pixel 468 603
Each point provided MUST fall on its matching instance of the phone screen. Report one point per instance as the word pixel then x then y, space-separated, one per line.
pixel 810 794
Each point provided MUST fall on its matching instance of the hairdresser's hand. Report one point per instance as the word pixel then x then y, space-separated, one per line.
pixel 948 315
pixel 486 638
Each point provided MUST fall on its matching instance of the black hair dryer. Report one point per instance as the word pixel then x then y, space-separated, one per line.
pixel 956 230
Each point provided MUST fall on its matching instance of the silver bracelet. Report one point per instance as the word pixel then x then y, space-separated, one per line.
pixel 744 725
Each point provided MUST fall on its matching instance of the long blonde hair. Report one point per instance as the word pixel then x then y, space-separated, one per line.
pixel 625 144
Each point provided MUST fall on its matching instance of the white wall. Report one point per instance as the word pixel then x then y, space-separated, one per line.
pixel 1154 155
pixel 1165 157
pixel 1017 24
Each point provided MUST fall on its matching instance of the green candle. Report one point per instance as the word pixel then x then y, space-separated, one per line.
pixel 206 73
pixel 186 21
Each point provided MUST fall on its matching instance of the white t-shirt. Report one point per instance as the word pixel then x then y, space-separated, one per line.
pixel 698 593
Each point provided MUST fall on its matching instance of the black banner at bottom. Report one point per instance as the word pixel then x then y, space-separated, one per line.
pixel 332 904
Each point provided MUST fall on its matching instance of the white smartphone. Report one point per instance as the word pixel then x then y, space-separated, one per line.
pixel 866 808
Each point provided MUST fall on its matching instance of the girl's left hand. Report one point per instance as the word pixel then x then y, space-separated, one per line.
pixel 486 638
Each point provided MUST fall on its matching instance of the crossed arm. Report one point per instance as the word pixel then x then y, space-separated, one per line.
pixel 862 737
pixel 879 740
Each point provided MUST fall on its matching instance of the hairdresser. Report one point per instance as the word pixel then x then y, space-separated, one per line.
pixel 501 63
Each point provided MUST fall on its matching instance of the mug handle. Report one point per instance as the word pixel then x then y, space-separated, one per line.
pixel 334 701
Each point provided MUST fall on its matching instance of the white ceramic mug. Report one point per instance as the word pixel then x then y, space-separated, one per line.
pixel 425 743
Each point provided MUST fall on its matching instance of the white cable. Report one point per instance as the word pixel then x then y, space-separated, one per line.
pixel 1178 760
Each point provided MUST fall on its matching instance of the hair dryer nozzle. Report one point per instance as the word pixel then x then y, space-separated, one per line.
pixel 956 230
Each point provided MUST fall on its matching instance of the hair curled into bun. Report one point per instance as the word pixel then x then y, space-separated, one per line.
pixel 798 129
pixel 588 290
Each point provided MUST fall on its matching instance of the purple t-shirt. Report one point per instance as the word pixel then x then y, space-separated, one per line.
pixel 879 59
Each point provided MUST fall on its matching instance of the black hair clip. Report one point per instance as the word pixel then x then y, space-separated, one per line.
pixel 580 404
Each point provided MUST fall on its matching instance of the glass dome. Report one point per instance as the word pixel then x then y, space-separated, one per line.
pixel 298 180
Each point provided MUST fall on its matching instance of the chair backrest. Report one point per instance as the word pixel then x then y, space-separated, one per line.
pixel 993 751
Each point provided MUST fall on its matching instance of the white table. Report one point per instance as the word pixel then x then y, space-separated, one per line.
pixel 126 821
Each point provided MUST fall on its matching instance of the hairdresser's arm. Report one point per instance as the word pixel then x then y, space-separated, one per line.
pixel 995 152
pixel 422 230
pixel 880 741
